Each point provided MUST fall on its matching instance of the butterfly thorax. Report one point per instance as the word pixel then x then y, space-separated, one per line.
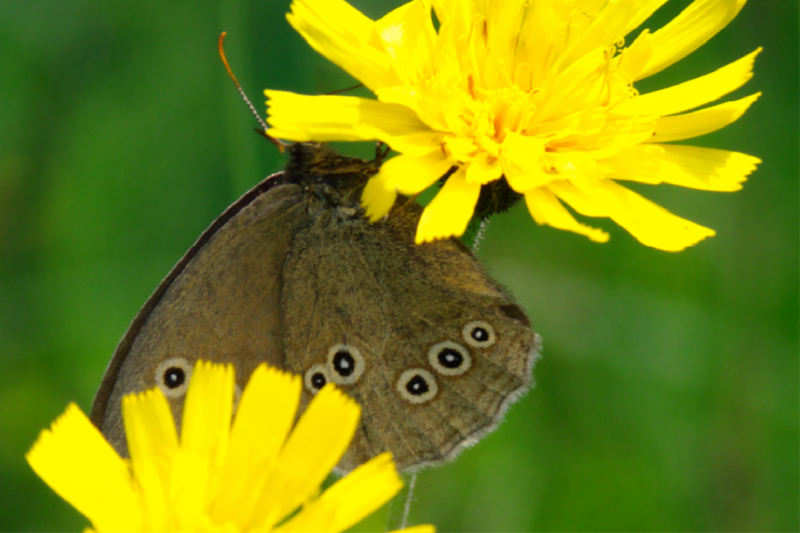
pixel 329 180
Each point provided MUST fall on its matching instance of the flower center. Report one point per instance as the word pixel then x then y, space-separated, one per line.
pixel 568 110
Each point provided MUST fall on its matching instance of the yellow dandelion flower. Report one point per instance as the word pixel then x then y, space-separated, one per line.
pixel 538 93
pixel 216 477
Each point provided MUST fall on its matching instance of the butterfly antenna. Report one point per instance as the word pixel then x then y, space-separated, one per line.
pixel 280 144
pixel 339 91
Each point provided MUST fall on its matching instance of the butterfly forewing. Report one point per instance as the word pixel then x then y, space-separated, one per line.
pixel 223 305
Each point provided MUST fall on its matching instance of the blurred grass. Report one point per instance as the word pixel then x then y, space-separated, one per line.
pixel 667 398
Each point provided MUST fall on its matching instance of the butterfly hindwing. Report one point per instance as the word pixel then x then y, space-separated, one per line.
pixel 384 303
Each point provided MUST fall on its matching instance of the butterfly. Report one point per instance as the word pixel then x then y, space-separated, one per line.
pixel 294 276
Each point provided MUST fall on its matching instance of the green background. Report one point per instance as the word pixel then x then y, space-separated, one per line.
pixel 667 397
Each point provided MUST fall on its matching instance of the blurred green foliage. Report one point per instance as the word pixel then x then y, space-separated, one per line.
pixel 667 398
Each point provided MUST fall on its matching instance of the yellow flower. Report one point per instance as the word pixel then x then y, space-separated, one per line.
pixel 248 477
pixel 539 93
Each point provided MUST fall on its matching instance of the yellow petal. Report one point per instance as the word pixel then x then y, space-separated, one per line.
pixel 350 499
pixel 344 36
pixel 412 175
pixel 693 93
pixel 651 224
pixel 422 528
pixel 149 429
pixel 256 438
pixel 460 148
pixel 377 197
pixel 412 97
pixel 456 13
pixel 450 211
pixel 504 19
pixel 207 409
pixel 605 29
pixel 152 443
pixel 189 488
pixel 686 126
pixel 500 20
pixel 686 166
pixel 306 459
pixel 418 144
pixel 545 208
pixel 578 167
pixel 521 157
pixel 205 429
pixel 689 31
pixel 646 8
pixel 483 169
pixel 408 36
pixel 574 90
pixel 634 58
pixel 338 118
pixel 265 431
pixel 74 459
pixel 540 36
pixel 522 183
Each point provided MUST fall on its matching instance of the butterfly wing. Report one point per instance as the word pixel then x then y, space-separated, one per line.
pixel 221 303
pixel 293 275
pixel 391 322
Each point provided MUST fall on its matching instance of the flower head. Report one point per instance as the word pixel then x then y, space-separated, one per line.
pixel 537 93
pixel 216 477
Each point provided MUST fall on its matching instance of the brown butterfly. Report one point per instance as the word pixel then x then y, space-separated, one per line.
pixel 293 275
